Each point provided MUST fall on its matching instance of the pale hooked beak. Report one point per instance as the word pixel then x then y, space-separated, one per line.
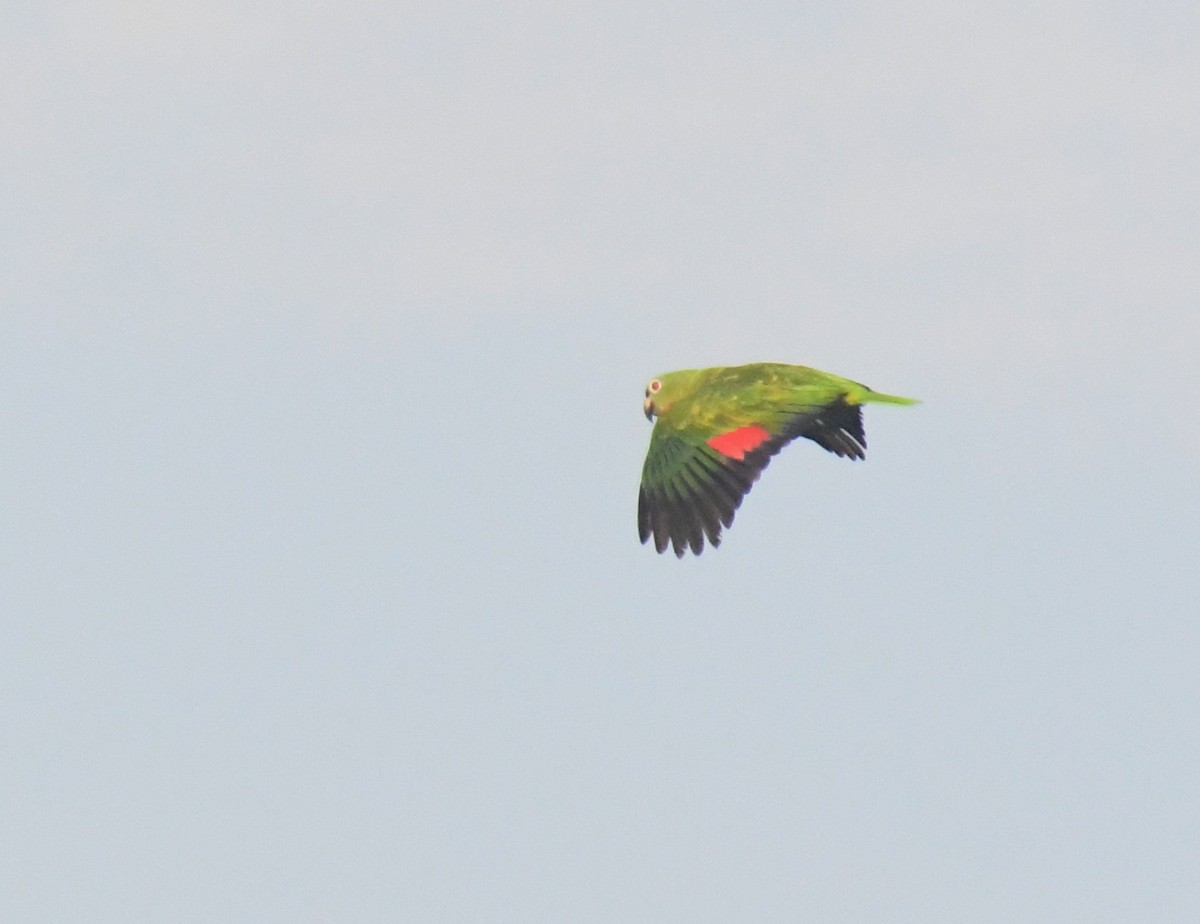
pixel 648 407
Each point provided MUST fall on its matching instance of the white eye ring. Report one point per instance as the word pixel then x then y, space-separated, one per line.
pixel 655 386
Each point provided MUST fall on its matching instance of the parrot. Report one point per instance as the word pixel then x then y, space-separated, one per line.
pixel 716 429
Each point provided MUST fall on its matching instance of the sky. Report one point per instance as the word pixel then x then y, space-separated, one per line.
pixel 323 339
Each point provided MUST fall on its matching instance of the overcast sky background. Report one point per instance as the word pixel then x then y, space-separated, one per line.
pixel 323 339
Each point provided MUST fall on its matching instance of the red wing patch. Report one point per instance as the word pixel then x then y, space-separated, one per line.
pixel 736 443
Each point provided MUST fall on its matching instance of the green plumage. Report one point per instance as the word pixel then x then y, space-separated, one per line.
pixel 717 429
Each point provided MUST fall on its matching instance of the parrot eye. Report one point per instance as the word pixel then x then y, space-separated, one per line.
pixel 654 387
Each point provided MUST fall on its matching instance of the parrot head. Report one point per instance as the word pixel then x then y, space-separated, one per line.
pixel 659 396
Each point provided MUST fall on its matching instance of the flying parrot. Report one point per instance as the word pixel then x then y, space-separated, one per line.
pixel 718 428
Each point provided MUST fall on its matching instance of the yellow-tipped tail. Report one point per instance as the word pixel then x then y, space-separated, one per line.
pixel 866 396
pixel 880 398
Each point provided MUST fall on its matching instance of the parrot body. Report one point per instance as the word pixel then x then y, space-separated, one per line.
pixel 716 430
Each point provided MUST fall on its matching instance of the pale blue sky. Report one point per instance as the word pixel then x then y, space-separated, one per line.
pixel 323 335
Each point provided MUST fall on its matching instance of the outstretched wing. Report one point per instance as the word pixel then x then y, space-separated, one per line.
pixel 692 485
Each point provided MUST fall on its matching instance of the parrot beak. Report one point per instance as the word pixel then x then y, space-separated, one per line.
pixel 648 407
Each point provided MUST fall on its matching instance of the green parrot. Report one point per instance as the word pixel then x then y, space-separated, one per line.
pixel 718 428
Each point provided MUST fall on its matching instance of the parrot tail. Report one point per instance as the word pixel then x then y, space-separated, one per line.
pixel 879 397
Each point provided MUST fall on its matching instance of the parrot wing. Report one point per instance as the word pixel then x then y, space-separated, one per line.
pixel 693 481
